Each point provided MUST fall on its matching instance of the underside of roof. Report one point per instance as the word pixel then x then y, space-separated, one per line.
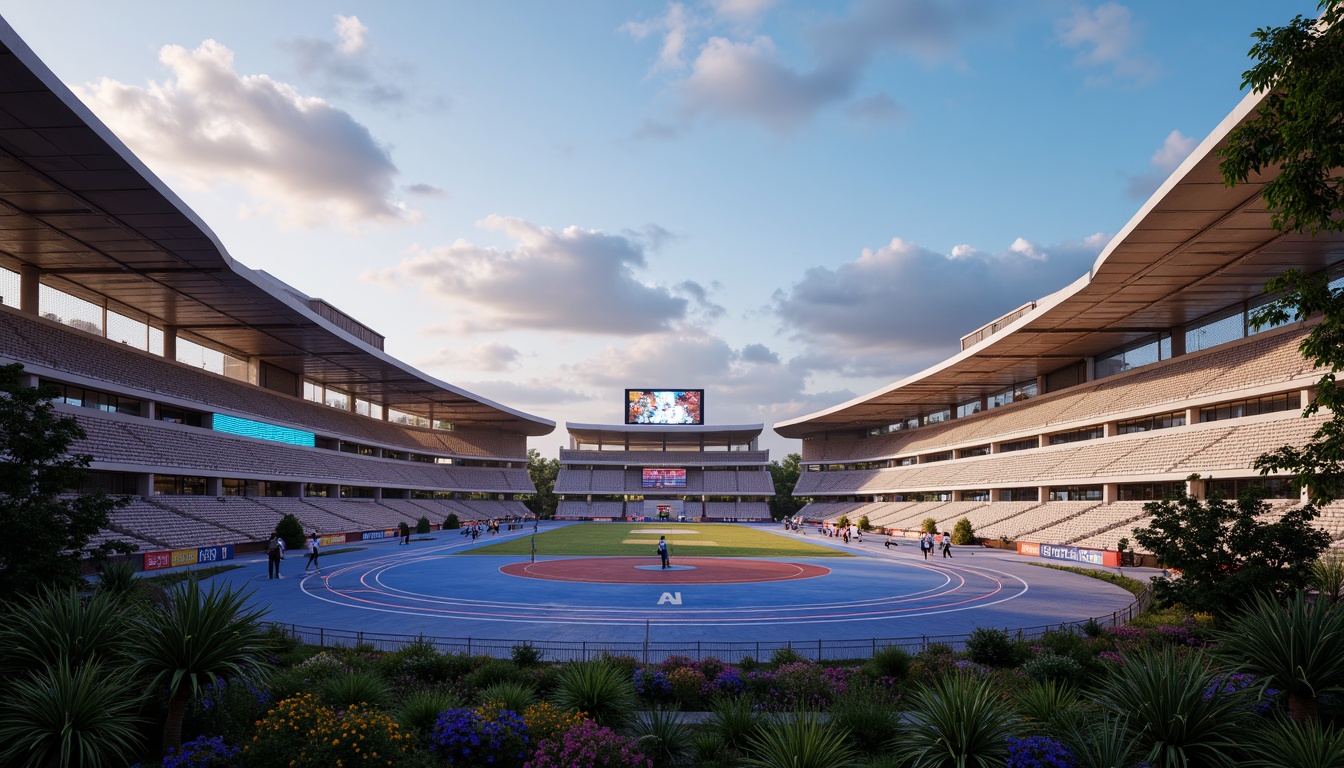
pixel 657 434
pixel 1196 247
pixel 77 205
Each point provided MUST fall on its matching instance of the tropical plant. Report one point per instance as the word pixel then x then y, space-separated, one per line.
pixel 1282 743
pixel 801 741
pixel 868 714
pixel 70 716
pixel 1327 577
pixel 117 578
pixel 957 720
pixel 194 640
pixel 1103 741
pixel 735 720
pixel 1298 647
pixel 707 748
pixel 1043 703
pixel 663 736
pixel 598 688
pixel 56 624
pixel 891 661
pixel 508 695
pixel 421 709
pixel 355 688
pixel 1176 707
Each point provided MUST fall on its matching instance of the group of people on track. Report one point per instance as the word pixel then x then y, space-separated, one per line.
pixel 275 552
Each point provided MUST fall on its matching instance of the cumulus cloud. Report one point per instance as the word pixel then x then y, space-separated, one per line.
pixel 747 385
pixel 301 159
pixel 1106 40
pixel 1168 157
pixel 490 356
pixel 348 67
pixel 872 316
pixel 750 80
pixel 574 279
pixel 426 190
pixel 673 26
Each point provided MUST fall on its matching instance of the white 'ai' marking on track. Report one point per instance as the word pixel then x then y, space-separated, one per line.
pixel 670 597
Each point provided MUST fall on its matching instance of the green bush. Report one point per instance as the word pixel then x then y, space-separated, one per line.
pixel 489 672
pixel 291 530
pixel 421 709
pixel 508 695
pixel 451 522
pixel 868 714
pixel 422 525
pixel 892 661
pixel 991 647
pixel 928 525
pixel 1052 666
pixel 962 532
pixel 785 655
pixel 421 662
pixel 525 655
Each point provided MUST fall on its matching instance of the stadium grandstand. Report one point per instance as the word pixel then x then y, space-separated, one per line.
pixel 646 472
pixel 216 397
pixel 1054 424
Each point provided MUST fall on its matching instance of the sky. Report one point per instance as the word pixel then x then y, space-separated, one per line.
pixel 787 204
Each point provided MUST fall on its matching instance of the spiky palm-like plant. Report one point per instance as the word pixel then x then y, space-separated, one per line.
pixel 1298 646
pixel 1044 702
pixel 70 716
pixel 599 689
pixel 735 720
pixel 804 741
pixel 118 579
pixel 1176 708
pixel 199 637
pixel 1283 743
pixel 508 694
pixel 352 688
pixel 1327 577
pixel 421 709
pixel 56 624
pixel 958 721
pixel 1105 741
pixel 663 736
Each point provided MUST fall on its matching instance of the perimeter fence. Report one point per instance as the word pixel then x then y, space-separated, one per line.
pixel 651 651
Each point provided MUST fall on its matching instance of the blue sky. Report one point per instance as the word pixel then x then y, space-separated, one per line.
pixel 787 204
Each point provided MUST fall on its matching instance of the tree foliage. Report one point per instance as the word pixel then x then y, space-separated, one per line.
pixel 543 473
pixel 1226 554
pixel 785 476
pixel 46 534
pixel 1298 131
pixel 963 533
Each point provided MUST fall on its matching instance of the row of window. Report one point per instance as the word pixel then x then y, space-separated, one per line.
pixel 1230 488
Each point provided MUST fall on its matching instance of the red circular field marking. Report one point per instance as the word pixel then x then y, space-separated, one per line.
pixel 622 570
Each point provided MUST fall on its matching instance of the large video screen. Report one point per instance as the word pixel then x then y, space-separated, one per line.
pixel 664 406
pixel 663 478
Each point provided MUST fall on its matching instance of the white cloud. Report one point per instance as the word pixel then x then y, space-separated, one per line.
pixel 674 27
pixel 574 279
pixel 1106 39
pixel 1168 157
pixel 490 356
pixel 351 32
pixel 301 159
pixel 901 307
pixel 741 10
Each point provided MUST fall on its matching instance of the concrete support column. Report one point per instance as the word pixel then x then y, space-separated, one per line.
pixel 1090 369
pixel 29 280
pixel 1191 416
pixel 1178 341
pixel 214 486
pixel 1197 488
pixel 333 491
pixel 144 484
pixel 29 379
pixel 1110 429
pixel 170 342
pixel 377 494
pixel 1110 492
pixel 1043 493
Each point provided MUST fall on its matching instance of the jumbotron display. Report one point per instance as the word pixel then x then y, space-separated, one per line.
pixel 664 406
pixel 663 478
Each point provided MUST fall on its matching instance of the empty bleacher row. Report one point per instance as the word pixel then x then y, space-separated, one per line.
pixel 192 521
pixel 614 510
pixel 130 442
pixel 664 458
pixel 60 348
pixel 629 481
pixel 1263 360
pixel 1215 447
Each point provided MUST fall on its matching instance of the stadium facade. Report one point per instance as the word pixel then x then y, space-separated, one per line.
pixel 216 396
pixel 646 472
pixel 1054 424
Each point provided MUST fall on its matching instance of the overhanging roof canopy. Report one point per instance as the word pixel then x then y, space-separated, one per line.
pixel 76 204
pixel 657 434
pixel 1194 248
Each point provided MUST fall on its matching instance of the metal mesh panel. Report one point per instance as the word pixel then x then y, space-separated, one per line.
pixel 9 287
pixel 1216 332
pixel 156 340
pixel 197 356
pixel 127 331
pixel 71 310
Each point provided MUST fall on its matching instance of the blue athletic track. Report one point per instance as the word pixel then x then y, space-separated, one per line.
pixel 433 587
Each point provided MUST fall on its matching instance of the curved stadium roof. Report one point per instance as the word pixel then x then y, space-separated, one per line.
pixel 76 204
pixel 1194 248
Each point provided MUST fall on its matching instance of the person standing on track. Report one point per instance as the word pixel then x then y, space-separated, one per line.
pixel 947 544
pixel 312 554
pixel 662 551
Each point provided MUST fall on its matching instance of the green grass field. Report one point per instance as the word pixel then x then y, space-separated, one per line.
pixel 683 539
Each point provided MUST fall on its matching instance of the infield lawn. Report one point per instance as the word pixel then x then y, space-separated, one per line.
pixel 636 539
